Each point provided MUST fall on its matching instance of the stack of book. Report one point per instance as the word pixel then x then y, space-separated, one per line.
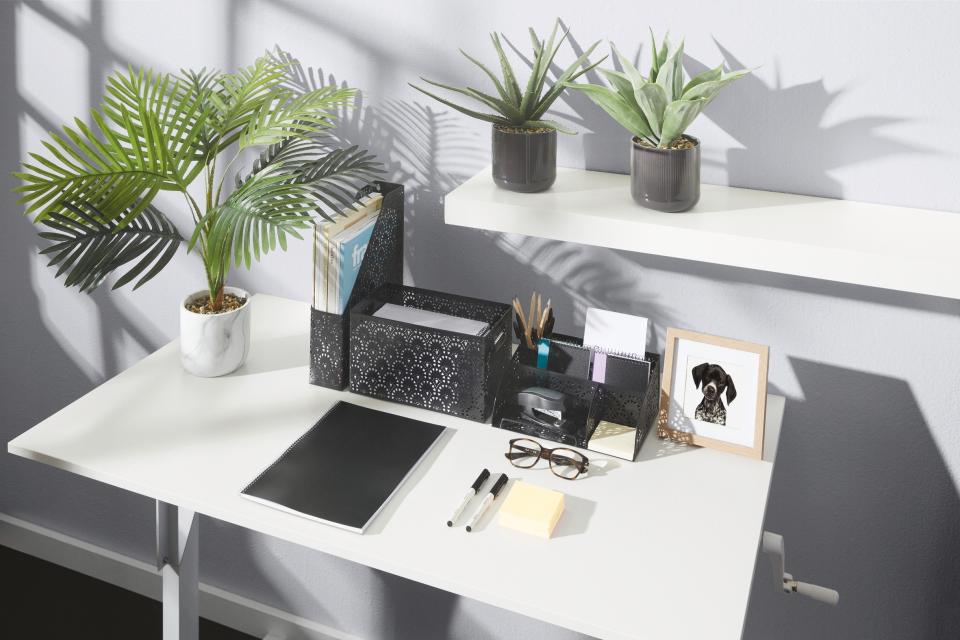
pixel 338 251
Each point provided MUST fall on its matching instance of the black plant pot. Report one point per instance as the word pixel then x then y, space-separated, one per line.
pixel 524 161
pixel 665 179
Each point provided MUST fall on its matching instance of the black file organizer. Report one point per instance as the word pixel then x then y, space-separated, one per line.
pixel 589 402
pixel 431 368
pixel 382 263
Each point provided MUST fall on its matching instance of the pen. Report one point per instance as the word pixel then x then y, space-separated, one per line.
pixel 472 491
pixel 494 491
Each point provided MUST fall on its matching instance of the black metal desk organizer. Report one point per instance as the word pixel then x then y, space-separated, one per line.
pixel 440 370
pixel 445 371
pixel 632 401
pixel 382 263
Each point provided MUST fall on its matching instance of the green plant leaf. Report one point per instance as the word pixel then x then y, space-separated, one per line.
pixel 619 109
pixel 240 95
pixel 279 199
pixel 633 75
pixel 710 88
pixel 509 79
pixel 670 75
pixel 116 172
pixel 652 100
pixel 87 246
pixel 659 56
pixel 507 110
pixel 677 118
pixel 294 116
pixel 570 74
pixel 621 83
pixel 707 76
pixel 486 117
pixel 493 78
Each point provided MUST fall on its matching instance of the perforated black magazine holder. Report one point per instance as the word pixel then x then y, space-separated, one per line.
pixel 382 263
pixel 588 403
pixel 444 371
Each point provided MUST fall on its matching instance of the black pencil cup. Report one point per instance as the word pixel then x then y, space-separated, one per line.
pixel 382 263
pixel 426 367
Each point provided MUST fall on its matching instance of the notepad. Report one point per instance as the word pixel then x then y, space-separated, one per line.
pixel 615 333
pixel 531 509
pixel 345 469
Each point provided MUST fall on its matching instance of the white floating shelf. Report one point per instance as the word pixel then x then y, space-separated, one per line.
pixel 913 250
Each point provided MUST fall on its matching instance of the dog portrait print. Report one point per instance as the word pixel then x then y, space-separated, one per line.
pixel 715 384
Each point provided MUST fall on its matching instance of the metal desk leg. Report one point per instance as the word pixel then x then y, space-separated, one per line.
pixel 177 561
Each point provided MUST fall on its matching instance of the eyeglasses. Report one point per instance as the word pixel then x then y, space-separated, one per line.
pixel 565 463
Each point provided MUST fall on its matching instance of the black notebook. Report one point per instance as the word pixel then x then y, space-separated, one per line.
pixel 345 469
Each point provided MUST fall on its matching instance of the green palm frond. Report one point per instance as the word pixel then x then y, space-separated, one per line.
pixel 335 178
pixel 280 198
pixel 515 107
pixel 180 106
pixel 88 246
pixel 118 171
pixel 295 116
pixel 239 96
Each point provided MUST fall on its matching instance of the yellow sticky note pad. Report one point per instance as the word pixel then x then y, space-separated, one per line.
pixel 531 509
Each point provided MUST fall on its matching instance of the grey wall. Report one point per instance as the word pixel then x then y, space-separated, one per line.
pixel 851 100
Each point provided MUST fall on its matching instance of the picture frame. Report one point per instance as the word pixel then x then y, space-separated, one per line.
pixel 703 378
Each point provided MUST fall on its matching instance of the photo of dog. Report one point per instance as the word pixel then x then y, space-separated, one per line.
pixel 713 382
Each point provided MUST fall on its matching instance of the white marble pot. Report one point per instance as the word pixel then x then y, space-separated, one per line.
pixel 214 344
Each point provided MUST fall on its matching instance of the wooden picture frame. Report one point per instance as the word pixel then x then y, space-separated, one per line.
pixel 674 420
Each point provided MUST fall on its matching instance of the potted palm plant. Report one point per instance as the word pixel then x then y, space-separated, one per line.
pixel 656 110
pixel 94 188
pixel 524 143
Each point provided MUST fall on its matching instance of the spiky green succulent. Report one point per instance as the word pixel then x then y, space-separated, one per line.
pixel 659 108
pixel 515 108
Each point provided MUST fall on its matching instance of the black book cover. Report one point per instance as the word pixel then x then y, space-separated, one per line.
pixel 346 467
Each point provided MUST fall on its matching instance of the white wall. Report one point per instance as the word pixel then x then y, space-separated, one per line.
pixel 853 100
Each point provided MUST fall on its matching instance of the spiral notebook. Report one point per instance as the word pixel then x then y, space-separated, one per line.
pixel 345 469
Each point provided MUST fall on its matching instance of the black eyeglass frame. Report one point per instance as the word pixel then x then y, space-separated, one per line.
pixel 579 461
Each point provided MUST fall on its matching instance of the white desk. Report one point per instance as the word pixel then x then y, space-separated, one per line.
pixel 667 544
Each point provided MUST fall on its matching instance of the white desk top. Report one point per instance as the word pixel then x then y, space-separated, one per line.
pixel 666 545
pixel 840 240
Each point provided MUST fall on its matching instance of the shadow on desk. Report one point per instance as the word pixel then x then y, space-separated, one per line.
pixel 394 503
pixel 275 354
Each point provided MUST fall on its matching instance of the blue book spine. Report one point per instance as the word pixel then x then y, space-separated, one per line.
pixel 352 251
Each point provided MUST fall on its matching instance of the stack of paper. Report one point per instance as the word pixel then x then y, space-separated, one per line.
pixel 338 252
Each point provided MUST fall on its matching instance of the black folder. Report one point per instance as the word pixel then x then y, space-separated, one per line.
pixel 344 470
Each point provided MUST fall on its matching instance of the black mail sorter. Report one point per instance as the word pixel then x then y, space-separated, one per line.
pixel 382 263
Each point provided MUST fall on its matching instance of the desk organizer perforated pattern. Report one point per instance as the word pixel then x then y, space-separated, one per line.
pixel 382 263
pixel 434 369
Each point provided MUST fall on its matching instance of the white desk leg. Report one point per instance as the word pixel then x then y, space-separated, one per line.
pixel 177 561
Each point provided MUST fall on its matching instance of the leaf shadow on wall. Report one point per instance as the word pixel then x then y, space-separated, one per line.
pixel 787 144
pixel 860 478
pixel 39 373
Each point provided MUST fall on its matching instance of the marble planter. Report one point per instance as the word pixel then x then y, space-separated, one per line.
pixel 215 344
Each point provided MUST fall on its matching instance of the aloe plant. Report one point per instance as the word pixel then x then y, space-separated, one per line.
pixel 515 108
pixel 657 109
pixel 94 187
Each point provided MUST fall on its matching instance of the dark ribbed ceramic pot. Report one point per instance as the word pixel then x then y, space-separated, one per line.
pixel 524 162
pixel 665 179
